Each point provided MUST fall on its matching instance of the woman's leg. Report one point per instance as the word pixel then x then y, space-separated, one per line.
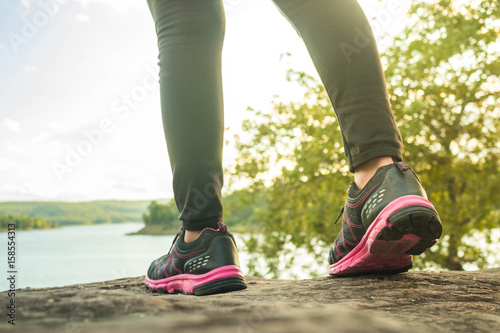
pixel 190 37
pixel 386 217
pixel 341 44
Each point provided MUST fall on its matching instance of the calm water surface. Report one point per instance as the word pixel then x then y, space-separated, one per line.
pixel 79 254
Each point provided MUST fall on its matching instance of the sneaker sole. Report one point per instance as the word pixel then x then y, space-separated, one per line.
pixel 219 280
pixel 407 226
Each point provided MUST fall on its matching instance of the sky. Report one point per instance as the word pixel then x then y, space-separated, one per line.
pixel 79 99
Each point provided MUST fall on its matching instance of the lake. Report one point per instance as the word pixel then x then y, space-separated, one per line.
pixel 81 254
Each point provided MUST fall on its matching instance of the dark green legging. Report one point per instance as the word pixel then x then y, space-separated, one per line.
pixel 190 37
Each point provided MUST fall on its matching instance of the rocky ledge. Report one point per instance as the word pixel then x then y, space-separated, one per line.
pixel 409 302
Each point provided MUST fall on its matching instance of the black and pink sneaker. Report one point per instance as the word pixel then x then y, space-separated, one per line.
pixel 208 265
pixel 384 224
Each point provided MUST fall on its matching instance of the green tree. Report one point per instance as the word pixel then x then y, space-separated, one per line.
pixel 443 78
pixel 241 211
pixel 24 222
pixel 161 215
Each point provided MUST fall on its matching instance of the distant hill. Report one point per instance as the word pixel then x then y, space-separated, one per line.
pixel 72 213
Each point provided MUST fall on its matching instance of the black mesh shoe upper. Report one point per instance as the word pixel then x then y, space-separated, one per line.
pixel 212 249
pixel 363 206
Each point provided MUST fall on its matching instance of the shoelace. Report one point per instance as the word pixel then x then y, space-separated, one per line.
pixel 338 217
pixel 175 239
pixel 222 227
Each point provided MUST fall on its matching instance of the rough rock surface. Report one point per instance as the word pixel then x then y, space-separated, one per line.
pixel 409 302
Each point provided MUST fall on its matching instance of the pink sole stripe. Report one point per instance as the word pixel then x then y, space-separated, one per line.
pixel 388 256
pixel 187 282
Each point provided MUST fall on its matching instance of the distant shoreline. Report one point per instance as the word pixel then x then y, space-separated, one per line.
pixel 23 229
pixel 155 230
pixel 72 225
pixel 152 230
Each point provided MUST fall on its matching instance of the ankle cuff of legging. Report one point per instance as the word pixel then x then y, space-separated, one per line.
pixel 201 224
pixel 379 151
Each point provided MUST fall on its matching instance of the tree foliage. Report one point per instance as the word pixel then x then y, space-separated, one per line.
pixel 165 216
pixel 24 222
pixel 443 79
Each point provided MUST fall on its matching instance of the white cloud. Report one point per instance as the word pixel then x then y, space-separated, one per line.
pixel 82 17
pixel 53 125
pixel 42 137
pixel 13 147
pixel 30 69
pixel 24 191
pixel 25 3
pixel 5 164
pixel 13 125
